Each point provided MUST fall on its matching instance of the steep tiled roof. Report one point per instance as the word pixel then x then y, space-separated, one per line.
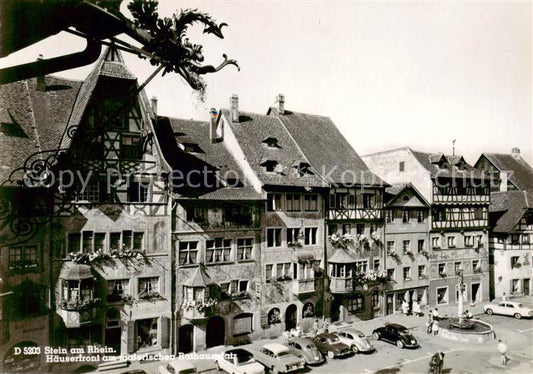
pixel 213 156
pixel 41 117
pixel 430 161
pixel 522 176
pixel 342 256
pixel 251 131
pixel 199 278
pixel 508 208
pixel 327 149
pixel 103 68
pixel 393 192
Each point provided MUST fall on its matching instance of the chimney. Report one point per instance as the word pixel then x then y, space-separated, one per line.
pixel 153 104
pixel 515 152
pixel 234 104
pixel 40 82
pixel 503 181
pixel 215 132
pixel 281 103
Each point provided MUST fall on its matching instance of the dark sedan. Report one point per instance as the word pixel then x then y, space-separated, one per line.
pixel 396 334
pixel 330 345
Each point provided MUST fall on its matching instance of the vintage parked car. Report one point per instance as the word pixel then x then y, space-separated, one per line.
pixel 188 367
pixel 396 334
pixel 239 361
pixel 330 345
pixel 278 358
pixel 306 349
pixel 509 308
pixel 355 339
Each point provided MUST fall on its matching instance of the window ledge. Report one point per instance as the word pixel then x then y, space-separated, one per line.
pixel 219 263
pixel 246 260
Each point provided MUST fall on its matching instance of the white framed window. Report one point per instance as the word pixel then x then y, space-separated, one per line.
pixel 245 248
pixel 376 264
pixel 149 284
pixel 451 241
pixel 407 273
pixel 310 202
pixel 361 267
pixel 390 246
pixel 405 216
pixel 292 235
pixel 188 253
pixel 421 243
pixel 23 257
pixel 457 267
pixel 391 274
pixel 310 235
pixel 406 245
pixel 435 242
pixel 442 270
pixel 217 250
pixel 469 241
pixel 293 202
pixel 274 202
pixel 421 271
pixel 273 237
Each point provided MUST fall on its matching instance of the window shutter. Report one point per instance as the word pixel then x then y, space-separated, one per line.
pixel 165 329
pixel 131 337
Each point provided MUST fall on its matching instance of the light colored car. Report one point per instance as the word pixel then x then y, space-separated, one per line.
pixel 278 358
pixel 306 349
pixel 178 367
pixel 355 339
pixel 509 308
pixel 188 367
pixel 239 361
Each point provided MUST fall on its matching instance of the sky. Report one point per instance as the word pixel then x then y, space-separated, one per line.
pixel 389 74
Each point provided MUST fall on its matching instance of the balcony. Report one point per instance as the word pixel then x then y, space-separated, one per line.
pixel 303 286
pixel 197 310
pixel 341 285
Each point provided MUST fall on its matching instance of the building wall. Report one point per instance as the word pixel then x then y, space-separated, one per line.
pixel 228 307
pixel 387 166
pixel 24 325
pixel 514 249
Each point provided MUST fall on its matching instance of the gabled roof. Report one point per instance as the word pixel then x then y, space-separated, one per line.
pixel 431 162
pixel 111 65
pixel 214 157
pixel 327 149
pixel 508 207
pixel 522 172
pixel 251 131
pixel 393 193
pixel 40 118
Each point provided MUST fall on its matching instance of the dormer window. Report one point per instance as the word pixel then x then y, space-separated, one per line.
pixel 271 142
pixel 270 165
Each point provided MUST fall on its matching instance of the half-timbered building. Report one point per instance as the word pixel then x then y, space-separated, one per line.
pixel 459 196
pixel 353 215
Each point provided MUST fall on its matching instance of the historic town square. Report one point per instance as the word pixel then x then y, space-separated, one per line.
pixel 266 187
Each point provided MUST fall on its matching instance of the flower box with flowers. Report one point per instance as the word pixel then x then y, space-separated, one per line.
pixel 371 277
pixel 375 237
pixel 150 295
pixel 79 304
pixel 240 295
pixel 425 253
pixel 408 252
pixel 392 253
pixel 341 241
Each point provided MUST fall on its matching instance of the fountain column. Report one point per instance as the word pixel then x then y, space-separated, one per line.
pixel 460 314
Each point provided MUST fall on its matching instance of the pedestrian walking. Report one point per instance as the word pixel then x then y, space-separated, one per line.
pixel 435 327
pixel 502 347
pixel 436 363
pixel 315 327
pixel 504 297
pixel 429 323
pixel 416 309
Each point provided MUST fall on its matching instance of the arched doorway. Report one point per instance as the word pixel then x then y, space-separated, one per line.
pixel 290 317
pixel 215 332
pixel 185 336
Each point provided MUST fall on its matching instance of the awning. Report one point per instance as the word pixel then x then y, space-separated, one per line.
pixel 199 278
pixel 75 272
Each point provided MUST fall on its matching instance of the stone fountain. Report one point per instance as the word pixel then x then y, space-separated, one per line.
pixel 461 328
